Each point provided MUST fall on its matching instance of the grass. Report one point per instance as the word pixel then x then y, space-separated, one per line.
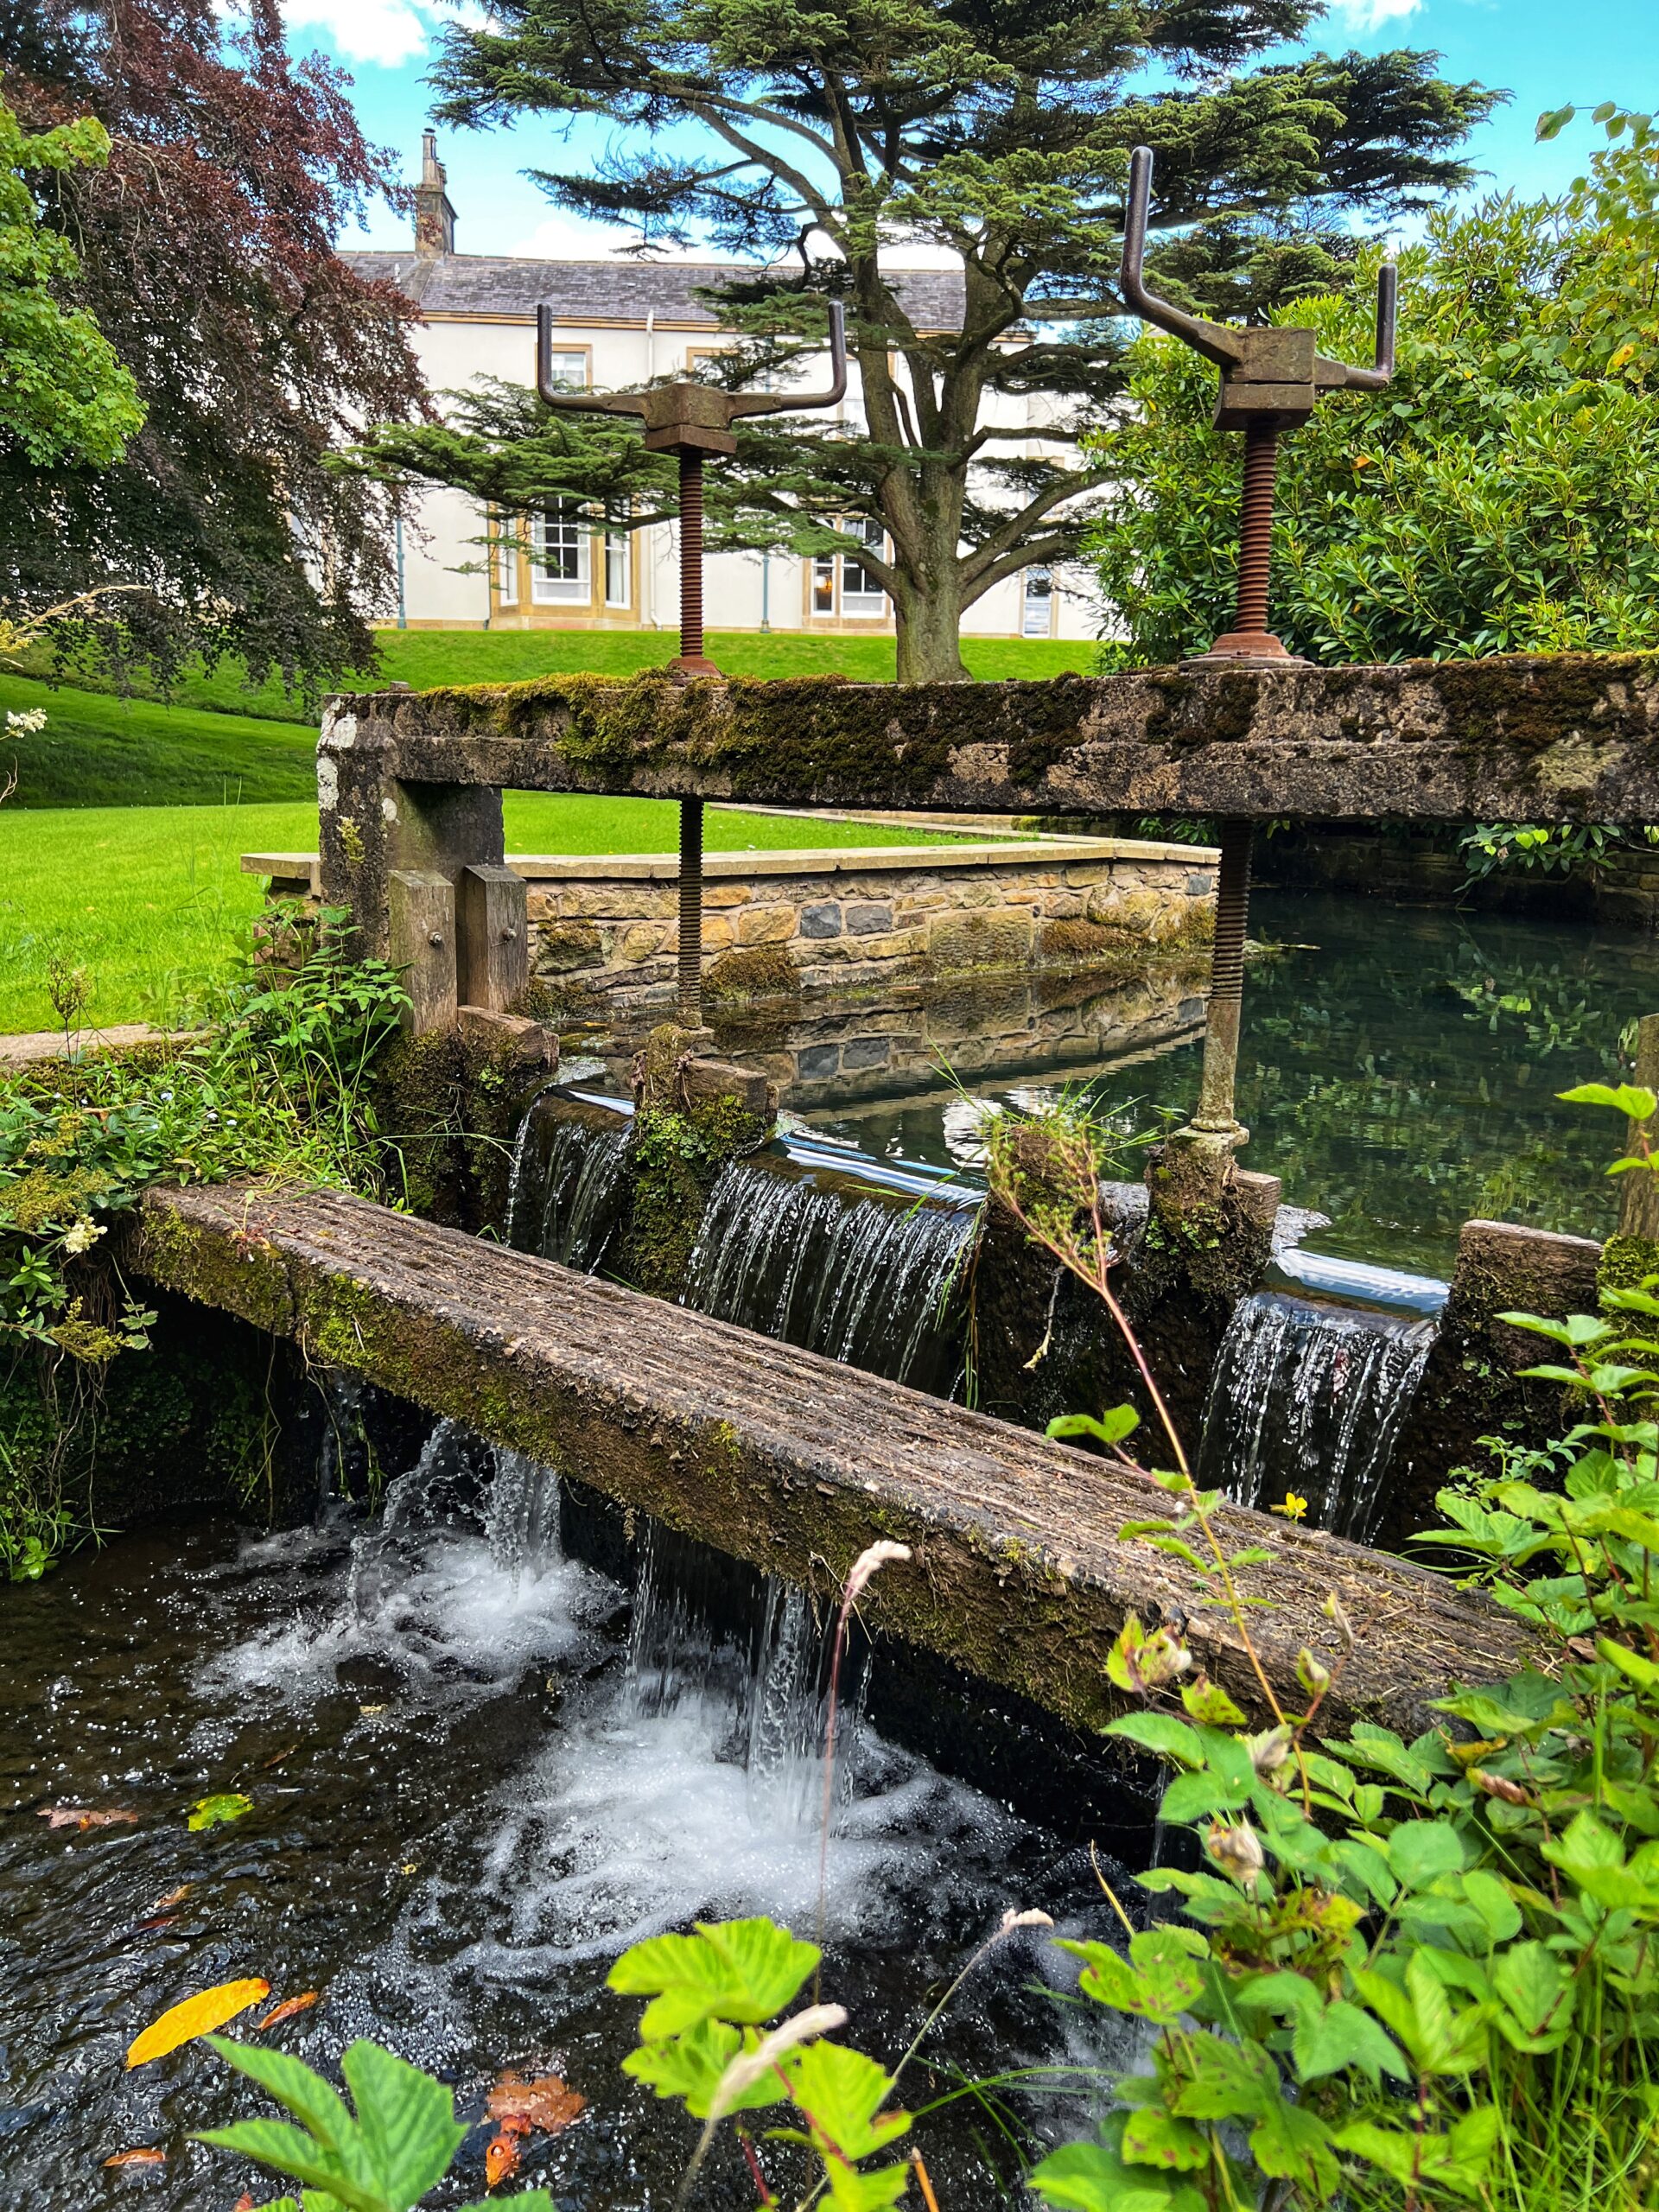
pixel 152 902
pixel 427 658
pixel 98 750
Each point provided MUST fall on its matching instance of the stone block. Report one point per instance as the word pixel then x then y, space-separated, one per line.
pixel 613 901
pixel 865 1052
pixel 822 918
pixel 703 1079
pixel 638 942
pixel 766 924
pixel 1200 882
pixel 563 946
pixel 724 891
pixel 1504 1269
pixel 815 1062
pixel 1065 906
pixel 870 920
pixel 961 940
pixel 717 933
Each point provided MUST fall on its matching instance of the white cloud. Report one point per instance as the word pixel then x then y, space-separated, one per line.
pixel 1363 15
pixel 388 32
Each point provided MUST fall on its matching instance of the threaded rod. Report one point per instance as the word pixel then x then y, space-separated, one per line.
pixel 1216 1116
pixel 691 912
pixel 1255 526
pixel 690 555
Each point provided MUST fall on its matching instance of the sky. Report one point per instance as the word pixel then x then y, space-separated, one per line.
pixel 1544 52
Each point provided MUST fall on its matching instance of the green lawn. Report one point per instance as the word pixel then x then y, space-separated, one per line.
pixel 425 658
pixel 150 900
pixel 98 750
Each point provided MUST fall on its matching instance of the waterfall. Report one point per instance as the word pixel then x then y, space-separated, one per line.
pixel 744 1658
pixel 569 1182
pixel 861 1275
pixel 1311 1399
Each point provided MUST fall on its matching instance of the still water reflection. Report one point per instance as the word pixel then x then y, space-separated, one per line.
pixel 1399 1069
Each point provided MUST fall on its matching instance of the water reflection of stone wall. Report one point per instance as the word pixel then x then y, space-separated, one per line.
pixel 909 1040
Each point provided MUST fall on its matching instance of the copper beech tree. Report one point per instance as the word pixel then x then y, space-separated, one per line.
pixel 205 253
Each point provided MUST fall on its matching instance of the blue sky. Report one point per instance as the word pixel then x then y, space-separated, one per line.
pixel 1544 52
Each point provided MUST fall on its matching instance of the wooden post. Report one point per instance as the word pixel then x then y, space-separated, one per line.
pixel 422 932
pixel 1638 1196
pixel 493 925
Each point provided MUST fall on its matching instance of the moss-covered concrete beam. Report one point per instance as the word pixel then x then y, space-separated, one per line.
pixel 1019 1572
pixel 1568 737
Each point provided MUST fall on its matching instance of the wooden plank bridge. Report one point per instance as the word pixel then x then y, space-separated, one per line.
pixel 795 1464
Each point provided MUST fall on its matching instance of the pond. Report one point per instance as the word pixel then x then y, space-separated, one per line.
pixel 1399 1069
pixel 481 1765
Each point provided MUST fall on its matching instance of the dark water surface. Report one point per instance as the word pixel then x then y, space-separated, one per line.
pixel 1398 1069
pixel 465 1804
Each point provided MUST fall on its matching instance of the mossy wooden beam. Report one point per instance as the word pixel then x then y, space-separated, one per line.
pixel 795 1464
pixel 1568 737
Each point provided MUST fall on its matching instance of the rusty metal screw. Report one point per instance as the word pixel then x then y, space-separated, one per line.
pixel 691 911
pixel 690 556
pixel 1256 527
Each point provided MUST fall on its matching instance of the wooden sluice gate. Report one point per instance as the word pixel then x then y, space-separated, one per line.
pixel 1019 1571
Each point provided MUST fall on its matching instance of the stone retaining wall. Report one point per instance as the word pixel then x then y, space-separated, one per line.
pixel 849 919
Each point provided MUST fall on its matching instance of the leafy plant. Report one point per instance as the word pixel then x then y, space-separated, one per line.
pixel 398 2144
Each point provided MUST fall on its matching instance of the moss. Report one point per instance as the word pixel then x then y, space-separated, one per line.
pixel 752 971
pixel 675 1154
pixel 448 1108
pixel 1561 692
pixel 563 947
pixel 1627 1263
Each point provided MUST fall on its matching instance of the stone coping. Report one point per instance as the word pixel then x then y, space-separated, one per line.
pixel 838 860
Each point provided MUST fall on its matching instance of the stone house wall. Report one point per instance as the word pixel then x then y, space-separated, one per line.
pixel 856 918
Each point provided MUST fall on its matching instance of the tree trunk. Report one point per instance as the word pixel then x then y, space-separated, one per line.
pixel 928 620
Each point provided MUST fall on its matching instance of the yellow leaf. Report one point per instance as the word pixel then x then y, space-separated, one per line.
pixel 197 2015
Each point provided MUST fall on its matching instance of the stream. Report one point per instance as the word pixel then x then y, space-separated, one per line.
pixel 479 1768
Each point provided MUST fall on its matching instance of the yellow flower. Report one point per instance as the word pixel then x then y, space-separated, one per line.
pixel 1293 1509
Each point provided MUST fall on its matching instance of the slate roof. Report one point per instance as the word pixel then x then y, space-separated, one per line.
pixel 606 291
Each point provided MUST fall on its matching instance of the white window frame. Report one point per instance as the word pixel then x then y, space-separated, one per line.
pixel 1037 602
pixel 864 602
pixel 506 562
pixel 559 530
pixel 618 568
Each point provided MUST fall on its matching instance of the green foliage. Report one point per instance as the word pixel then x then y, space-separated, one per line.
pixel 279 1086
pixel 1420 1974
pixel 64 399
pixel 999 136
pixel 1557 848
pixel 385 2156
pixel 1481 505
pixel 701 2043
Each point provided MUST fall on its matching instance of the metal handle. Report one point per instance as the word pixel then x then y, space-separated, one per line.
pixel 1214 339
pixel 779 402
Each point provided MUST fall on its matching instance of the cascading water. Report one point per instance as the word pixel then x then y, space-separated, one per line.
pixel 860 1275
pixel 568 1182
pixel 1311 1398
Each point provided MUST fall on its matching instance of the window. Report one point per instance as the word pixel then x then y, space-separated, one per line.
pixel 842 584
pixel 568 368
pixel 1038 619
pixel 507 563
pixel 618 566
pixel 559 555
pixel 862 599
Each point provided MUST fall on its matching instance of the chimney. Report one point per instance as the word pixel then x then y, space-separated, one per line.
pixel 435 218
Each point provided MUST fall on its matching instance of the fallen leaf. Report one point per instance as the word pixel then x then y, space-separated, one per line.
pixel 501 2159
pixel 78 1817
pixel 544 2106
pixel 149 1927
pixel 173 1897
pixel 138 2158
pixel 244 2202
pixel 228 1805
pixel 181 2024
pixel 371 1712
pixel 287 1753
pixel 286 2010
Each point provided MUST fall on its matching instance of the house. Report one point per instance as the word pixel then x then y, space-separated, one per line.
pixel 621 323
